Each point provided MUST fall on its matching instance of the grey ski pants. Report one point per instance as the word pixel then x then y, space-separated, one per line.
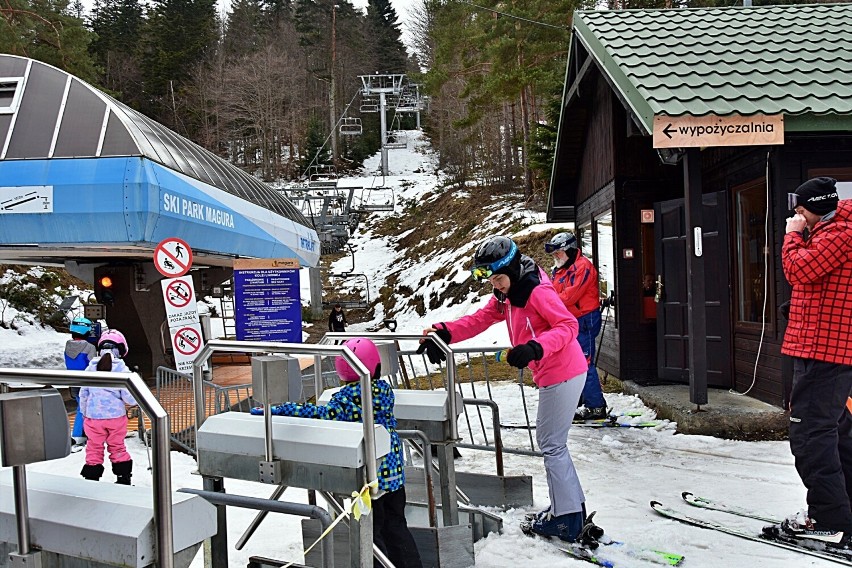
pixel 556 406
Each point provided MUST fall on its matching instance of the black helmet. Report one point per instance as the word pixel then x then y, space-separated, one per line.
pixel 561 241
pixel 497 255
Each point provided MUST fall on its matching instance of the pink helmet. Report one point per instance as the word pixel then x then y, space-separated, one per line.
pixel 366 352
pixel 113 339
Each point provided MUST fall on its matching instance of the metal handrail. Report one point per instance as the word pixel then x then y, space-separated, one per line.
pixel 289 349
pixel 274 506
pixel 161 465
pixel 445 349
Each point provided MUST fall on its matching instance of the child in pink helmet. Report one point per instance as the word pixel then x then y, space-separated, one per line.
pixel 390 529
pixel 105 413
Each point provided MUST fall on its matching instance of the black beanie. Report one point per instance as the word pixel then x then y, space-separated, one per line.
pixel 818 195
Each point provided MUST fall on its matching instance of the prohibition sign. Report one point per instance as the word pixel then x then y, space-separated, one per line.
pixel 173 257
pixel 178 295
pixel 187 341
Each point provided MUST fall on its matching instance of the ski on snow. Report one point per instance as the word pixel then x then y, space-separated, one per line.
pixel 704 503
pixel 609 423
pixel 647 554
pixel 826 554
pixel 592 554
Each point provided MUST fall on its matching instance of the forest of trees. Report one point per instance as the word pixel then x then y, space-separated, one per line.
pixel 263 85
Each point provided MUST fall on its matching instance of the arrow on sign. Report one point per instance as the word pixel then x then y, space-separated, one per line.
pixel 668 130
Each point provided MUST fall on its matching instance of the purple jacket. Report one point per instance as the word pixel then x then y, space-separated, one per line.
pixel 543 318
pixel 99 403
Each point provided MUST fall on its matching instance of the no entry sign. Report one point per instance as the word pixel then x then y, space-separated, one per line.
pixel 173 257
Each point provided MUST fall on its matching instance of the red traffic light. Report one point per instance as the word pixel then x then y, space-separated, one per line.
pixel 105 282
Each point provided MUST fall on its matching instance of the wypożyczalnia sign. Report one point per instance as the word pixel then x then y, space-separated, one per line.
pixel 712 130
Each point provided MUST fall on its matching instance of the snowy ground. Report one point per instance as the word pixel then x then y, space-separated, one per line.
pixel 621 469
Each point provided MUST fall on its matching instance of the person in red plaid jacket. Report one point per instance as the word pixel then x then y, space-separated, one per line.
pixel 817 261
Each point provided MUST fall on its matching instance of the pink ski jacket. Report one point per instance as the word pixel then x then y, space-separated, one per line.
pixel 545 319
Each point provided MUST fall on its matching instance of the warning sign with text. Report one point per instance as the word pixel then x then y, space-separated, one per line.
pixel 186 343
pixel 712 130
pixel 180 302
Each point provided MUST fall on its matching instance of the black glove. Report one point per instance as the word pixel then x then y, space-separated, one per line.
pixel 521 355
pixel 433 352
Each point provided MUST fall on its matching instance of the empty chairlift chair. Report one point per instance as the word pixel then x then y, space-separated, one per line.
pixel 350 126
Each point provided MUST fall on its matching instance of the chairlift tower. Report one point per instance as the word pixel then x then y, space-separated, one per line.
pixel 382 85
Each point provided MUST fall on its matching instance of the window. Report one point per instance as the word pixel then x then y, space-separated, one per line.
pixel 842 175
pixel 584 235
pixel 606 258
pixel 753 260
pixel 10 94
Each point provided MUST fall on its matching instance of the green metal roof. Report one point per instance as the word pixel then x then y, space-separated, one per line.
pixel 790 60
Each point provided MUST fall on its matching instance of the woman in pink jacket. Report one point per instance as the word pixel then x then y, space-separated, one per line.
pixel 544 338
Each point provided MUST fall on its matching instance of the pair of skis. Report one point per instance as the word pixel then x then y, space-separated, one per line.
pixel 593 556
pixel 840 556
pixel 611 421
pixel 593 542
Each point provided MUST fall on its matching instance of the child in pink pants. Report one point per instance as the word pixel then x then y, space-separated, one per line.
pixel 105 413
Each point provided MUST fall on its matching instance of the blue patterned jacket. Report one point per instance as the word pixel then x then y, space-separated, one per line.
pixel 345 406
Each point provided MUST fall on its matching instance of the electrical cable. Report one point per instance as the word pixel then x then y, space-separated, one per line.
pixel 765 286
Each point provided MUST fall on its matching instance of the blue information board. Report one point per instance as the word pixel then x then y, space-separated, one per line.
pixel 267 300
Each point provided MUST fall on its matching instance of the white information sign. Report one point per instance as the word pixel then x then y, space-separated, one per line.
pixel 179 299
pixel 186 342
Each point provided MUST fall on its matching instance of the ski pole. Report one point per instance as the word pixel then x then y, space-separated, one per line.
pixel 524 400
pixel 600 342
pixel 501 358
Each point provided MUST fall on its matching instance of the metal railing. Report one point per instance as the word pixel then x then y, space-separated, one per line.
pixel 465 367
pixel 175 393
pixel 161 464
pixel 318 352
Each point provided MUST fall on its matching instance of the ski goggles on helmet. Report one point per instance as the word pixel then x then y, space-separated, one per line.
pixel 486 271
pixel 795 200
pixel 551 248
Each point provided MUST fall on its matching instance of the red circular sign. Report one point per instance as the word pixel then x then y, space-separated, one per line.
pixel 187 341
pixel 178 294
pixel 173 257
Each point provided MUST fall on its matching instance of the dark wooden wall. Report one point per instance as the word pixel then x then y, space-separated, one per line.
pixel 597 167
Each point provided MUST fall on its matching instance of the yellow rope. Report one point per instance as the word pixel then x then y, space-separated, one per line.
pixel 362 504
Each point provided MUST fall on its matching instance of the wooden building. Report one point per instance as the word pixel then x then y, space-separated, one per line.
pixel 681 133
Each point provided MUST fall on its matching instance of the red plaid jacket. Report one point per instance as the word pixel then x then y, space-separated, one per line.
pixel 820 271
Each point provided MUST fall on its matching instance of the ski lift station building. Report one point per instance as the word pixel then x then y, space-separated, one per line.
pixel 92 185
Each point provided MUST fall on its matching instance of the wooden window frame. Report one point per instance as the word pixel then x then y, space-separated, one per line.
pixel 751 327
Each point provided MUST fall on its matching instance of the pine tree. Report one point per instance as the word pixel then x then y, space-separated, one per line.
pixel 244 28
pixel 118 26
pixel 316 153
pixel 384 31
pixel 179 35
pixel 48 31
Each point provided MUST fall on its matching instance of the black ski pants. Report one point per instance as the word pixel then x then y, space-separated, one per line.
pixel 390 531
pixel 820 429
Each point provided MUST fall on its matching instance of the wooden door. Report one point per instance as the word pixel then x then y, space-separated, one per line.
pixel 670 252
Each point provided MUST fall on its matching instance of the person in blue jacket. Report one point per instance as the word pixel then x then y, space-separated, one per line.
pixel 390 529
pixel 78 352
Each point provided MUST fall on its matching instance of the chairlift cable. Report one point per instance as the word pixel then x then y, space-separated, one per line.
pixel 522 19
pixel 330 134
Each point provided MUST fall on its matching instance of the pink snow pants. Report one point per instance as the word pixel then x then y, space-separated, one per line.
pixel 109 431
